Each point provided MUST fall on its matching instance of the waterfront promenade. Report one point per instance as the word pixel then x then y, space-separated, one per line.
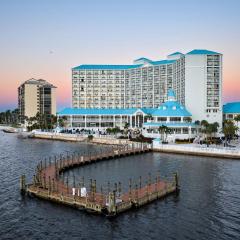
pixel 198 150
pixel 189 149
pixel 100 139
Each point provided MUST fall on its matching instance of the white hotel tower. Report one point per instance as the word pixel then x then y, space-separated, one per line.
pixel 196 78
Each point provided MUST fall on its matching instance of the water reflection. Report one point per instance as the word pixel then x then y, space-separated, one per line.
pixel 207 207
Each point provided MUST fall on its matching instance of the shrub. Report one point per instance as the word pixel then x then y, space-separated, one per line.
pixel 90 137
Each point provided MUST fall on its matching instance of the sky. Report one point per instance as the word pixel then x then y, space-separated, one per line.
pixel 45 39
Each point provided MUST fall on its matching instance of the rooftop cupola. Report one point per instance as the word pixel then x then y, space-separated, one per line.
pixel 171 96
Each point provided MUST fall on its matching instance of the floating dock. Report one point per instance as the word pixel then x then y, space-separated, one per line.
pixel 47 184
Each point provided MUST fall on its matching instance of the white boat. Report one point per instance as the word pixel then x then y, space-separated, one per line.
pixel 10 130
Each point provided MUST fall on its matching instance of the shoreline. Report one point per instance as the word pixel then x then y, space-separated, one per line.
pixel 79 138
pixel 197 151
pixel 174 149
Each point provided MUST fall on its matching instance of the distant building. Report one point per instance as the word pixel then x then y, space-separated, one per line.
pixel 196 78
pixel 230 111
pixel 36 96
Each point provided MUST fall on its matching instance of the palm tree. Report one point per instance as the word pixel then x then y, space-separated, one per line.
pixel 126 126
pixel 149 116
pixel 197 122
pixel 188 119
pixel 229 130
pixel 53 121
pixel 237 119
pixel 62 121
pixel 8 116
pixel 204 124
pixel 161 130
pixel 167 131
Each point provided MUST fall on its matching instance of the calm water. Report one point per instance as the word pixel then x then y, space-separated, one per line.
pixel 208 206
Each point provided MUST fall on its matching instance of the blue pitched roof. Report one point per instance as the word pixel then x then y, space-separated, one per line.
pixel 232 107
pixel 171 109
pixel 144 59
pixel 202 51
pixel 176 53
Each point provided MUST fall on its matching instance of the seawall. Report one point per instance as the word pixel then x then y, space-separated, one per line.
pixel 198 151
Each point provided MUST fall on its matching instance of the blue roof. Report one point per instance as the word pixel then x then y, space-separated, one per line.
pixel 121 67
pixel 202 51
pixel 233 107
pixel 176 53
pixel 104 111
pixel 140 64
pixel 161 111
pixel 171 109
pixel 169 124
pixel 143 59
pixel 171 93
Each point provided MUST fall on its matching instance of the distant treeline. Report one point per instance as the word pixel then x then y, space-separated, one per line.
pixel 9 117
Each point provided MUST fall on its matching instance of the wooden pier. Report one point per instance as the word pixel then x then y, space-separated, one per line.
pixel 47 184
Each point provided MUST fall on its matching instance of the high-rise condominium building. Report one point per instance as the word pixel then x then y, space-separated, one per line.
pixel 36 96
pixel 196 78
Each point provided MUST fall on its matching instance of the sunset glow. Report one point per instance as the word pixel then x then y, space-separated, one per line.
pixel 45 39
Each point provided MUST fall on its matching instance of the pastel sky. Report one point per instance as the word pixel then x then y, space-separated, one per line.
pixel 45 39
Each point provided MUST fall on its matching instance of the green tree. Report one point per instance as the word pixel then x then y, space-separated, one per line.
pixel 229 130
pixel 197 122
pixel 237 119
pixel 188 119
pixel 149 116
pixel 62 121
pixel 161 130
pixel 164 131
pixel 167 132
pixel 109 131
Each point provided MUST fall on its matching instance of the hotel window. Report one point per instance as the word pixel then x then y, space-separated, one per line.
pixel 175 119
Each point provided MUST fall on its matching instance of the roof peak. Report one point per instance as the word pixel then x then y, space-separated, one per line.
pixel 201 51
pixel 175 53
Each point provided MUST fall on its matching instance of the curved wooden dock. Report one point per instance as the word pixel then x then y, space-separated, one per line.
pixel 47 184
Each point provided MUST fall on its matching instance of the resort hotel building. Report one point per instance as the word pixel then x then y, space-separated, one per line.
pixel 36 95
pixel 171 114
pixel 195 77
pixel 147 94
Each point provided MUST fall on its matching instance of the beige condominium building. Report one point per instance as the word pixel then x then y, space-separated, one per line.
pixel 36 95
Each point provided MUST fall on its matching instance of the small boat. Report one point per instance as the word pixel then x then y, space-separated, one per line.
pixel 10 130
